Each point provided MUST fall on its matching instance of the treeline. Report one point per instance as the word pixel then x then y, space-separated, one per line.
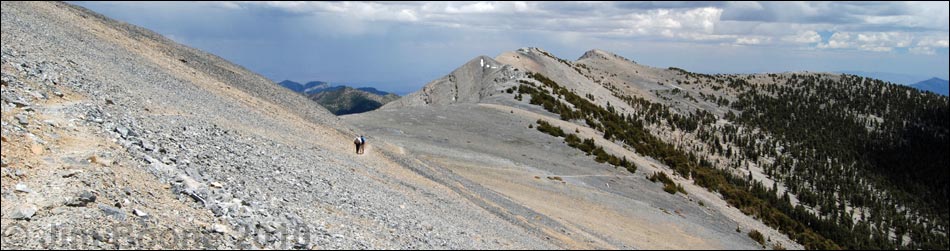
pixel 737 191
pixel 587 146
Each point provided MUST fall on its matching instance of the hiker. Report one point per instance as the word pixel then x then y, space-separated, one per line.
pixel 359 143
pixel 362 144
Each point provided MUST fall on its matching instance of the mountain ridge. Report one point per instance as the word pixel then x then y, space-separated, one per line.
pixel 312 87
pixel 309 87
pixel 673 102
pixel 935 85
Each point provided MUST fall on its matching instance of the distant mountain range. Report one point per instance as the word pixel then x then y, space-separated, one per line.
pixel 897 78
pixel 935 85
pixel 341 100
pixel 373 90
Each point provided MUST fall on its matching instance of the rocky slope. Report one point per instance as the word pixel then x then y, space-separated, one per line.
pixel 477 79
pixel 115 137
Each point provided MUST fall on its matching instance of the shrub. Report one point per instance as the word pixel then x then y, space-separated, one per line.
pixel 669 188
pixel 545 127
pixel 755 235
pixel 778 246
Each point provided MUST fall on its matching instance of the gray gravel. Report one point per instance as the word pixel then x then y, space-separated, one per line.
pixel 181 141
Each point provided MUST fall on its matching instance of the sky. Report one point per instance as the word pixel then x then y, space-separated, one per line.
pixel 401 46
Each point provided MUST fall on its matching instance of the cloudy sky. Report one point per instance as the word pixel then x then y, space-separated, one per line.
pixel 400 46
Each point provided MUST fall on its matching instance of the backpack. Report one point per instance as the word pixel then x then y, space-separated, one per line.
pixel 362 140
pixel 358 141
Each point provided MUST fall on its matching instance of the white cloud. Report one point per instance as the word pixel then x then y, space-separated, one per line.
pixel 934 42
pixel 479 7
pixel 428 38
pixel 227 5
pixel 928 45
pixel 838 41
pixel 361 11
pixel 879 26
pixel 922 50
pixel 751 40
pixel 521 6
pixel 875 41
pixel 803 37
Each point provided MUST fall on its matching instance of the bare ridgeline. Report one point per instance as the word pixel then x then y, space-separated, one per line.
pixel 115 137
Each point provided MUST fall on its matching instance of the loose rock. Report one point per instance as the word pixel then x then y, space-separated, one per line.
pixel 72 172
pixel 20 103
pixel 20 118
pixel 112 211
pixel 124 132
pixel 82 199
pixel 139 213
pixel 23 212
pixel 20 187
pixel 222 229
